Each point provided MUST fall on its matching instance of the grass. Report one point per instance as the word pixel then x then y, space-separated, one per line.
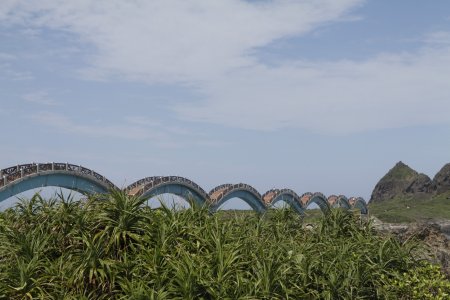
pixel 409 209
pixel 114 247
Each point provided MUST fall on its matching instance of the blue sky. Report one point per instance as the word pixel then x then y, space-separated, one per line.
pixel 323 95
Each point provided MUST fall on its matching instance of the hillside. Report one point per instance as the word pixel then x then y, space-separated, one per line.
pixel 410 209
pixel 404 195
pixel 442 180
pixel 404 182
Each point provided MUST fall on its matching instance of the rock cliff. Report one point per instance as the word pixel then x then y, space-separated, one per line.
pixel 401 181
pixel 442 180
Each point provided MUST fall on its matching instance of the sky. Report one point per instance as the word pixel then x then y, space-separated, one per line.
pixel 312 95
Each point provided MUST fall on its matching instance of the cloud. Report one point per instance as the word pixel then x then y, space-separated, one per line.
pixel 341 97
pixel 210 46
pixel 438 37
pixel 175 40
pixel 122 131
pixel 6 56
pixel 135 128
pixel 10 73
pixel 39 97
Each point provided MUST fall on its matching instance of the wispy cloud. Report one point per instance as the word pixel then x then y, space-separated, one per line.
pixel 203 38
pixel 6 56
pixel 341 97
pixel 151 122
pixel 132 128
pixel 143 121
pixel 209 46
pixel 438 37
pixel 40 97
pixel 9 73
pixel 122 131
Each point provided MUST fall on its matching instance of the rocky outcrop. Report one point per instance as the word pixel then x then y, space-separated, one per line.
pixel 400 180
pixel 422 185
pixel 433 235
pixel 441 181
pixel 403 181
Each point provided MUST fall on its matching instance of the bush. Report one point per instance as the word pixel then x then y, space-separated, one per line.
pixel 426 281
pixel 114 247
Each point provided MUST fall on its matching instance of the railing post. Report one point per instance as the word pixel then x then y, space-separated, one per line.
pixel 5 180
pixel 37 168
pixel 67 166
pixel 21 173
pixel 53 166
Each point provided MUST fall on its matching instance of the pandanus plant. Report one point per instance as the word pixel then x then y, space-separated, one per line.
pixel 113 246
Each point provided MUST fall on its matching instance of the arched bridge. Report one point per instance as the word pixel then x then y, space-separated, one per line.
pixel 20 178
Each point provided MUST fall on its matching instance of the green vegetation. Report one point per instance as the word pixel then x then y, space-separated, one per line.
pixel 311 216
pixel 424 282
pixel 113 247
pixel 412 209
pixel 400 172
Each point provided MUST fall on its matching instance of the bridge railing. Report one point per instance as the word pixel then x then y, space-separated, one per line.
pixel 238 186
pixel 14 173
pixel 151 182
pixel 141 182
pixel 219 187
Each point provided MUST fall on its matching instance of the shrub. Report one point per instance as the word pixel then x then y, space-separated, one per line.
pixel 425 281
pixel 113 247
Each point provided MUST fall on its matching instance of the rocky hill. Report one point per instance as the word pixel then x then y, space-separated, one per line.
pixel 402 181
pixel 442 180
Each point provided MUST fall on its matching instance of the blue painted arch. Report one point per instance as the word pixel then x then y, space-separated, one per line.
pixel 248 197
pixel 291 200
pixel 62 179
pixel 343 202
pixel 182 190
pixel 321 201
pixel 20 178
pixel 361 205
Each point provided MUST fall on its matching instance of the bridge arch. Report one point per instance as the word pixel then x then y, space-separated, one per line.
pixel 339 201
pixel 219 188
pixel 20 178
pixel 17 179
pixel 157 185
pixel 359 203
pixel 287 195
pixel 318 198
pixel 343 202
pixel 245 192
